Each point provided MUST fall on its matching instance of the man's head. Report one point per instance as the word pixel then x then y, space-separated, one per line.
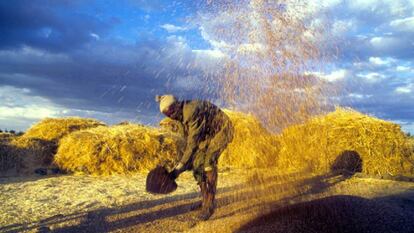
pixel 167 104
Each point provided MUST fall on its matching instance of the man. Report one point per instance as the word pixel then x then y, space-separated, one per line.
pixel 207 131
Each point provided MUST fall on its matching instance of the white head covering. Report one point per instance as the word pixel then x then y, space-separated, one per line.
pixel 165 101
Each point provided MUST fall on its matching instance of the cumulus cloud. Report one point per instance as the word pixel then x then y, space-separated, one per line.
pixel 173 28
pixel 404 24
pixel 62 64
pixel 379 42
pixel 96 36
pixel 407 89
pixel 358 96
pixel 19 106
pixel 334 76
pixel 371 76
pixel 378 61
pixel 371 28
pixel 376 48
pixel 401 68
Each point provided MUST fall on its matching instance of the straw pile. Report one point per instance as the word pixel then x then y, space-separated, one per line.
pixel 37 147
pixel 411 143
pixel 31 153
pixel 53 129
pixel 252 144
pixel 410 152
pixel 7 162
pixel 316 145
pixel 5 137
pixel 172 126
pixel 120 149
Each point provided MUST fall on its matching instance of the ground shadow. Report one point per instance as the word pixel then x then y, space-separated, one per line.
pixel 96 221
pixel 313 185
pixel 336 214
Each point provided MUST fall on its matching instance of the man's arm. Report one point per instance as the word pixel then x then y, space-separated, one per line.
pixel 194 130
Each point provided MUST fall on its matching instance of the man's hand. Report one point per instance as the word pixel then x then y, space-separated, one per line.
pixel 179 166
pixel 174 174
pixel 177 171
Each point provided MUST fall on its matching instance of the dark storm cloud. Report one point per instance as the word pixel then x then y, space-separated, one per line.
pixel 104 76
pixel 60 54
pixel 68 56
pixel 50 25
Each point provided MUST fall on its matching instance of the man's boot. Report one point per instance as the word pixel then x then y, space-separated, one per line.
pixel 209 200
pixel 203 189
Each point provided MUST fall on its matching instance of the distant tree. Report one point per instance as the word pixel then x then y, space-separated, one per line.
pixel 12 131
pixel 20 133
pixel 1 131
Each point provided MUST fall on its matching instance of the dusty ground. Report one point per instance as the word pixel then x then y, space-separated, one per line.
pixel 246 202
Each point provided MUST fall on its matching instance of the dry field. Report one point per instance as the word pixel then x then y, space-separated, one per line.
pixel 267 182
pixel 247 201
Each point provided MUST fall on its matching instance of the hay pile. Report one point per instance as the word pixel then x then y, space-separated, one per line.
pixel 410 152
pixel 37 147
pixel 26 154
pixel 7 162
pixel 6 137
pixel 120 149
pixel 317 144
pixel 410 142
pixel 87 146
pixel 252 144
pixel 53 129
pixel 172 126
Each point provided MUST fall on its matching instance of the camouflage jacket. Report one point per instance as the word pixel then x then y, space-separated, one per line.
pixel 201 121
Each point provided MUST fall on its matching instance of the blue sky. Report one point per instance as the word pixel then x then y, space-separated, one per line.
pixel 107 59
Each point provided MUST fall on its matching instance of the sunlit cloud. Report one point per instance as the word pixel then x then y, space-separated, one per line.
pixel 334 76
pixel 405 89
pixel 173 28
pixel 114 62
pixel 405 24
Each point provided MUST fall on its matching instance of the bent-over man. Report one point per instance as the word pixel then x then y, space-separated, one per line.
pixel 207 131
